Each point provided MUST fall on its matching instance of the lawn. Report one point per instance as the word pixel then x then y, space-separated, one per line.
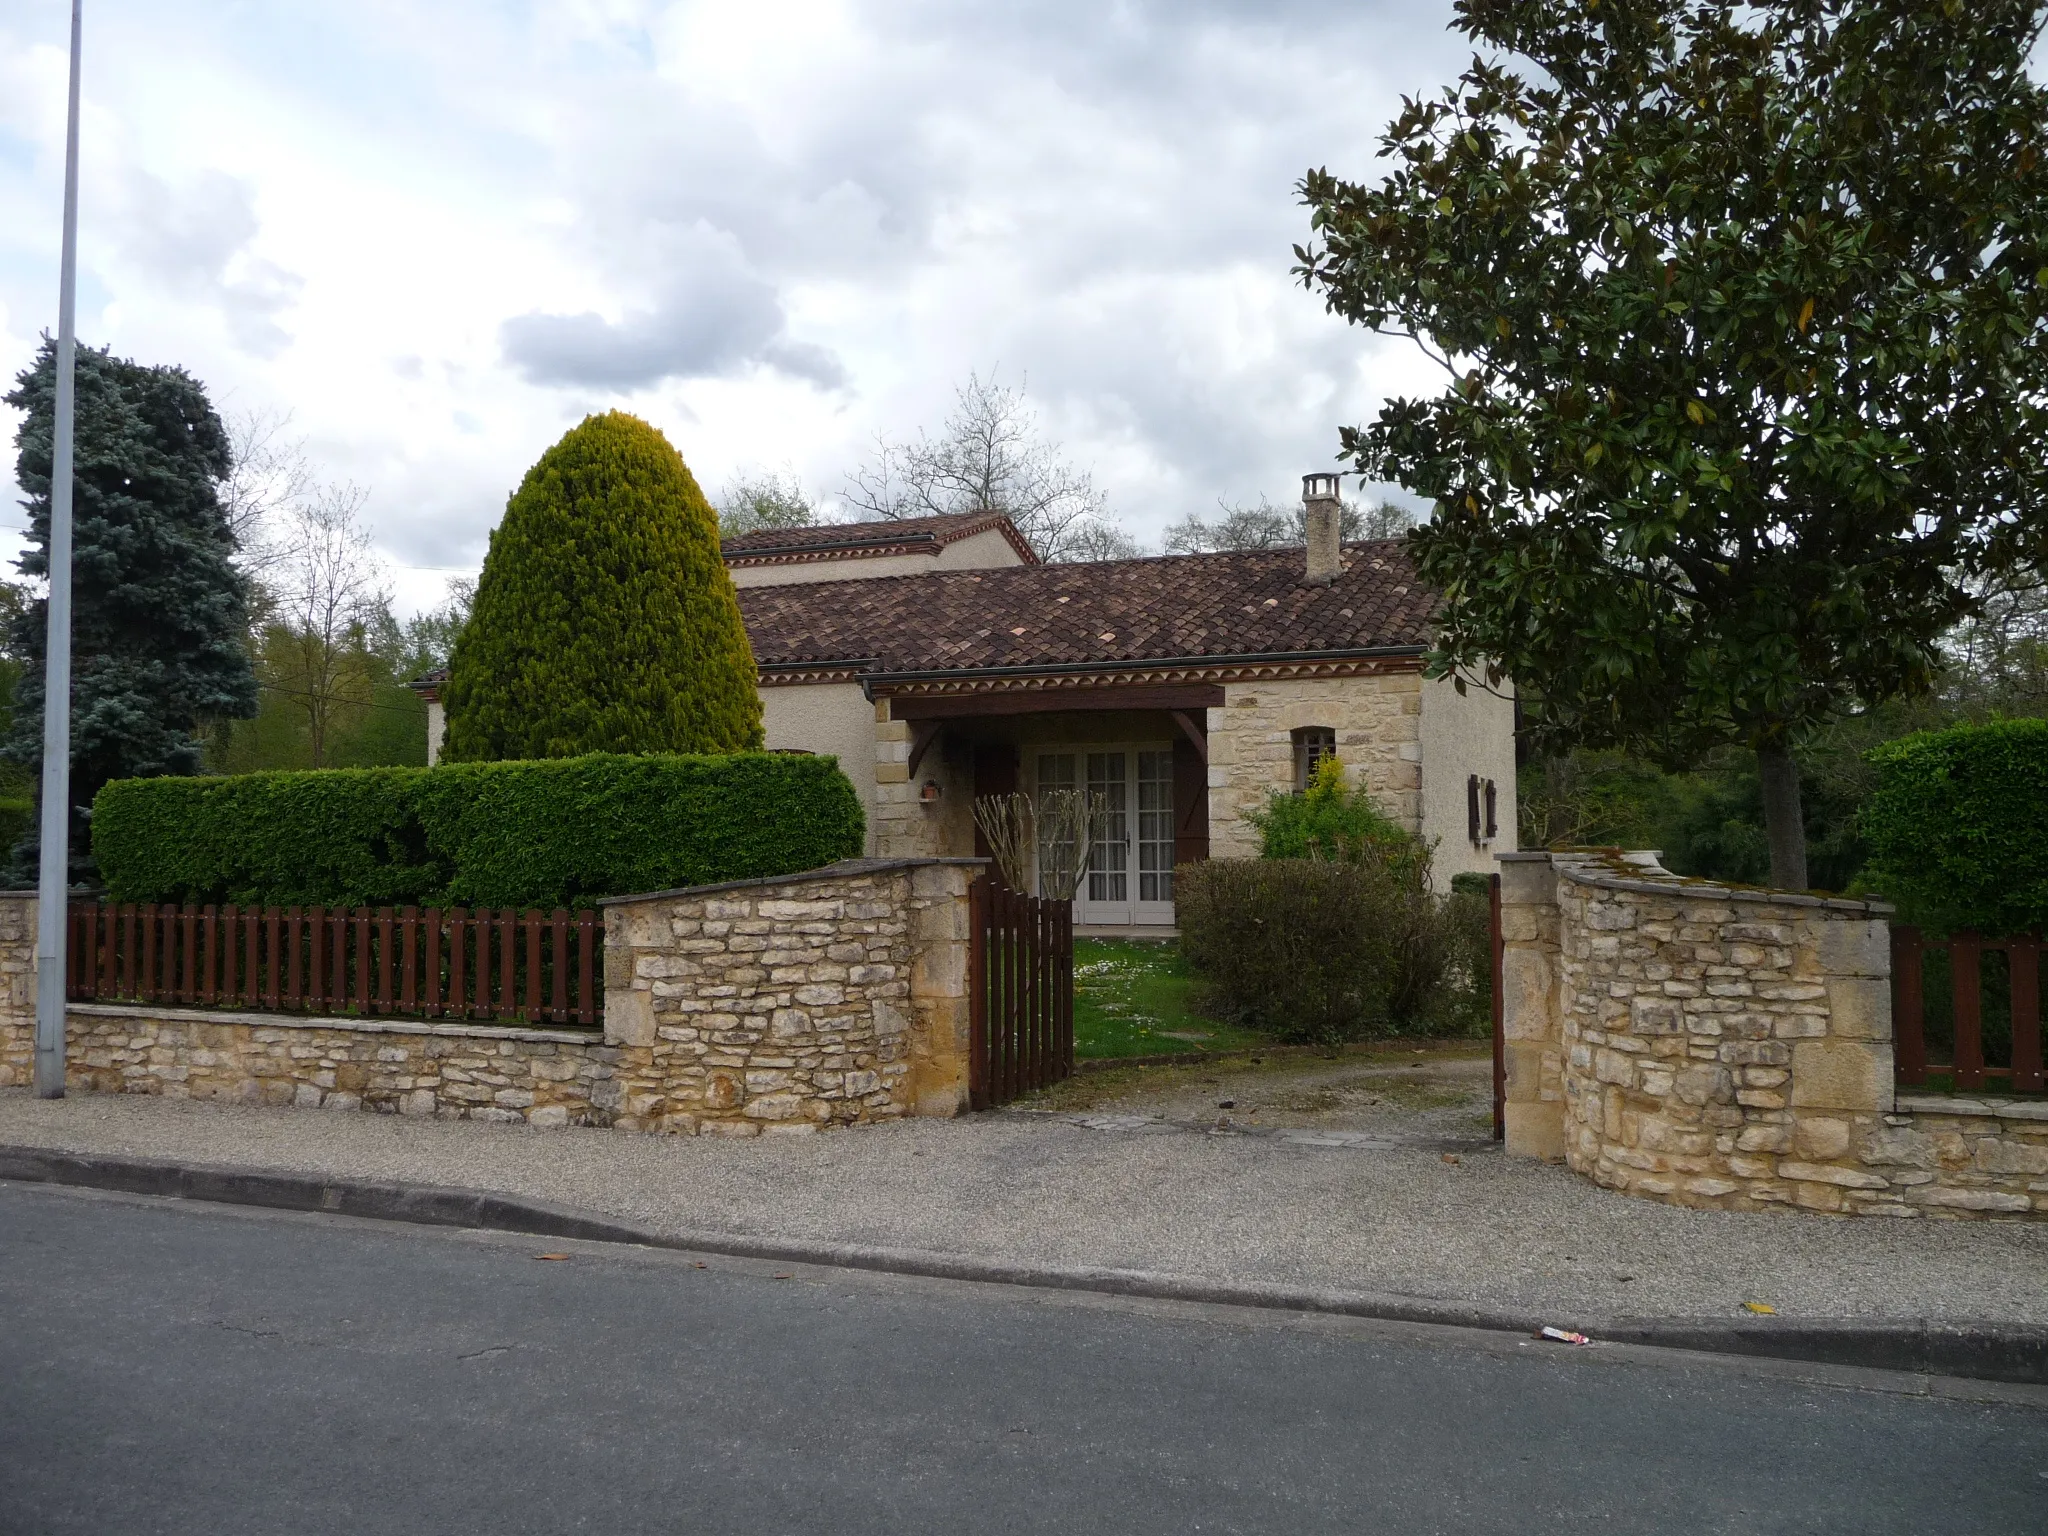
pixel 1130 999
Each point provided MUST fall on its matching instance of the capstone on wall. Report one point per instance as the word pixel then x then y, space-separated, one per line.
pixel 1710 1045
pixel 781 1006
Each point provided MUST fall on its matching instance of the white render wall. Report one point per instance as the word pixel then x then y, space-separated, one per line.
pixel 1462 736
pixel 833 718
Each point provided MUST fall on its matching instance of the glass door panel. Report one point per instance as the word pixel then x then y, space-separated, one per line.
pixel 1155 833
pixel 1109 861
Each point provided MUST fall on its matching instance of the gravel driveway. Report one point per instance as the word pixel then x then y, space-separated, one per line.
pixel 1354 1208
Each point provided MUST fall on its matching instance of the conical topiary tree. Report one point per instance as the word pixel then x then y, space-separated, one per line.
pixel 604 619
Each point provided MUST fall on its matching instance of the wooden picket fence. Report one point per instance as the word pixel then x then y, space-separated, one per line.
pixel 1966 1068
pixel 1020 986
pixel 501 965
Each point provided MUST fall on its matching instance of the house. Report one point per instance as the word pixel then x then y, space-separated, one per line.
pixel 939 660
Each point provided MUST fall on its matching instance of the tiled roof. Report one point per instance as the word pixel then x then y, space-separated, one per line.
pixel 1124 611
pixel 838 541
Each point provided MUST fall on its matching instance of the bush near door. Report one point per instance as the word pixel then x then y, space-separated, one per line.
pixel 563 832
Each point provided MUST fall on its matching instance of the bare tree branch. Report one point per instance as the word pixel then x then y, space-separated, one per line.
pixel 988 456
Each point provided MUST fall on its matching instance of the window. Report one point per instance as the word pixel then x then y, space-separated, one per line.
pixel 1312 743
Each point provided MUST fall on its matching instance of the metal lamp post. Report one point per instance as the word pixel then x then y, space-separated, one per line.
pixel 56 833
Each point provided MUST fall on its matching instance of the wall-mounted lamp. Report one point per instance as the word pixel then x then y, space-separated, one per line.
pixel 929 795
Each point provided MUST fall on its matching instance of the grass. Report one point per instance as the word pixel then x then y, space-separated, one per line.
pixel 1131 999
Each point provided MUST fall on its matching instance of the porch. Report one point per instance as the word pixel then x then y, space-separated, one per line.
pixel 1144 749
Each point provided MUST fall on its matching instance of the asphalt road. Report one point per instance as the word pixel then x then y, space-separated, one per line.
pixel 186 1368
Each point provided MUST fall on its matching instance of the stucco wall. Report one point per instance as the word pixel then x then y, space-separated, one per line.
pixel 977 552
pixel 833 718
pixel 1461 736
pixel 1723 1046
pixel 437 730
pixel 1377 719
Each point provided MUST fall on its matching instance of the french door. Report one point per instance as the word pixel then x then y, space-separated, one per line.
pixel 1130 865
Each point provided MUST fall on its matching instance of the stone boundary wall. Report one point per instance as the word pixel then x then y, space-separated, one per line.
pixel 826 998
pixel 1713 1045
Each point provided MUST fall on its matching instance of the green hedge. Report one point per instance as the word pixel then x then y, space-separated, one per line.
pixel 542 834
pixel 1958 827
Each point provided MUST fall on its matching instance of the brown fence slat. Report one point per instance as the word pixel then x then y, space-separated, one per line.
pixel 458 933
pixel 508 991
pixel 532 925
pixel 589 979
pixel 431 998
pixel 209 923
pixel 188 952
pixel 558 984
pixel 2023 954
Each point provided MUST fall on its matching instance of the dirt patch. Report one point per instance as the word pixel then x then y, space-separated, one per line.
pixel 1436 1089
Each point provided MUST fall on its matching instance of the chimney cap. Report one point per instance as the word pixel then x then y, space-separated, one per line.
pixel 1319 487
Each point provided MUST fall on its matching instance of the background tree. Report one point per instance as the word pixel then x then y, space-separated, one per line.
pixel 989 456
pixel 158 608
pixel 1266 526
pixel 327 588
pixel 1743 312
pixel 760 499
pixel 604 618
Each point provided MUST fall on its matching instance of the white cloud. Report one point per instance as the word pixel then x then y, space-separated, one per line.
pixel 440 234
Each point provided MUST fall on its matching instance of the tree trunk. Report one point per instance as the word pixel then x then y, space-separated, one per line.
pixel 1784 821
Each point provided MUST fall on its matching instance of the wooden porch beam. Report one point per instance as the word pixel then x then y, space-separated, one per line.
pixel 1197 737
pixel 1050 701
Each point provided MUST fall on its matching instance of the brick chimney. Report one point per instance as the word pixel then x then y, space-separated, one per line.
pixel 1325 520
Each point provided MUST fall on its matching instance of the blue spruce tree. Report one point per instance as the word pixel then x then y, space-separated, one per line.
pixel 159 612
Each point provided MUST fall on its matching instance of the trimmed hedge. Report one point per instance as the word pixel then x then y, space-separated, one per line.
pixel 521 834
pixel 1958 827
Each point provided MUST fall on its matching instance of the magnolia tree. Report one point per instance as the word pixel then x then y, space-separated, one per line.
pixel 1741 315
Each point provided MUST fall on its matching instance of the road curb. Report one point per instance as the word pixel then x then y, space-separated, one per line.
pixel 1978 1350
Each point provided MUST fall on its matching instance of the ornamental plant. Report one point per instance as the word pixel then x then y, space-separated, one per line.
pixel 1742 316
pixel 604 618
pixel 1338 821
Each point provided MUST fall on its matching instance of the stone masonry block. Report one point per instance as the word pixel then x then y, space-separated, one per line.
pixel 1526 980
pixel 1859 1008
pixel 1852 947
pixel 1841 1074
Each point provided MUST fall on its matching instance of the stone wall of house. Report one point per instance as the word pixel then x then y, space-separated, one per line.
pixel 1713 1045
pixel 829 998
pixel 1378 721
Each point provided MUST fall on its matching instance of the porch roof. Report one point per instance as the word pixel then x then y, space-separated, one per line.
pixel 1122 614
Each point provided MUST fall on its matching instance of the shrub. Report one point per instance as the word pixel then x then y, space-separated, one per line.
pixel 604 619
pixel 542 834
pixel 1958 826
pixel 1333 820
pixel 1304 949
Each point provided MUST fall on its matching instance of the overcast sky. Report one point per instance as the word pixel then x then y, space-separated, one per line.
pixel 439 232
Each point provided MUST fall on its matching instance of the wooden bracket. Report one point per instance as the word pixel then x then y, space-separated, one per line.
pixel 1194 734
pixel 922 734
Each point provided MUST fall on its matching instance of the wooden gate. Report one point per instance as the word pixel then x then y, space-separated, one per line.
pixel 1020 982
